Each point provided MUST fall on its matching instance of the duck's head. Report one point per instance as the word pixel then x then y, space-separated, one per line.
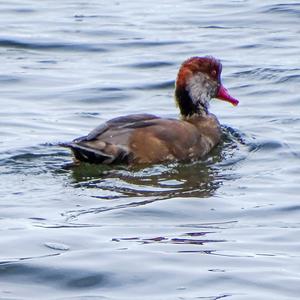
pixel 199 80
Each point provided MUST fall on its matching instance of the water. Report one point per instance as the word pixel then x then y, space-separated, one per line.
pixel 225 227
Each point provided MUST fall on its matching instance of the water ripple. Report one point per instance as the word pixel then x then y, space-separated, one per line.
pixel 94 232
pixel 286 8
pixel 150 65
pixel 70 278
pixel 46 45
pixel 276 75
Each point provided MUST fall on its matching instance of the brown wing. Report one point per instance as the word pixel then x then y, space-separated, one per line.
pixel 116 123
pixel 108 143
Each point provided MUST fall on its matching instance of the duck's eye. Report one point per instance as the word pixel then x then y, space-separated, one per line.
pixel 214 73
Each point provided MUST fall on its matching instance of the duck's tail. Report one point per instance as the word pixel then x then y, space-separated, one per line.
pixel 87 154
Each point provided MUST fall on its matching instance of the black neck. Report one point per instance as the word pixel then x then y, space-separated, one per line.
pixel 186 105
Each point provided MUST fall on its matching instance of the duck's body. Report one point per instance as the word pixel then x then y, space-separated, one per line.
pixel 138 139
pixel 146 138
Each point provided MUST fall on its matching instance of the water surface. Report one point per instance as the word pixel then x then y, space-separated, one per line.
pixel 224 227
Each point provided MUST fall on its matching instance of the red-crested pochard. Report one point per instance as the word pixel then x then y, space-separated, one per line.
pixel 148 139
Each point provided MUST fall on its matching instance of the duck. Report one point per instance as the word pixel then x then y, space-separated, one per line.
pixel 148 139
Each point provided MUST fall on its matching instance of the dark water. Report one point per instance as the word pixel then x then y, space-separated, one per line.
pixel 225 227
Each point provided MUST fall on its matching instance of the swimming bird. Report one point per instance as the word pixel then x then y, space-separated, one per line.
pixel 148 139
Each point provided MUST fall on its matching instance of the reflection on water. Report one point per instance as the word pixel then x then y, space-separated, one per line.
pixel 170 180
pixel 189 238
pixel 144 185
